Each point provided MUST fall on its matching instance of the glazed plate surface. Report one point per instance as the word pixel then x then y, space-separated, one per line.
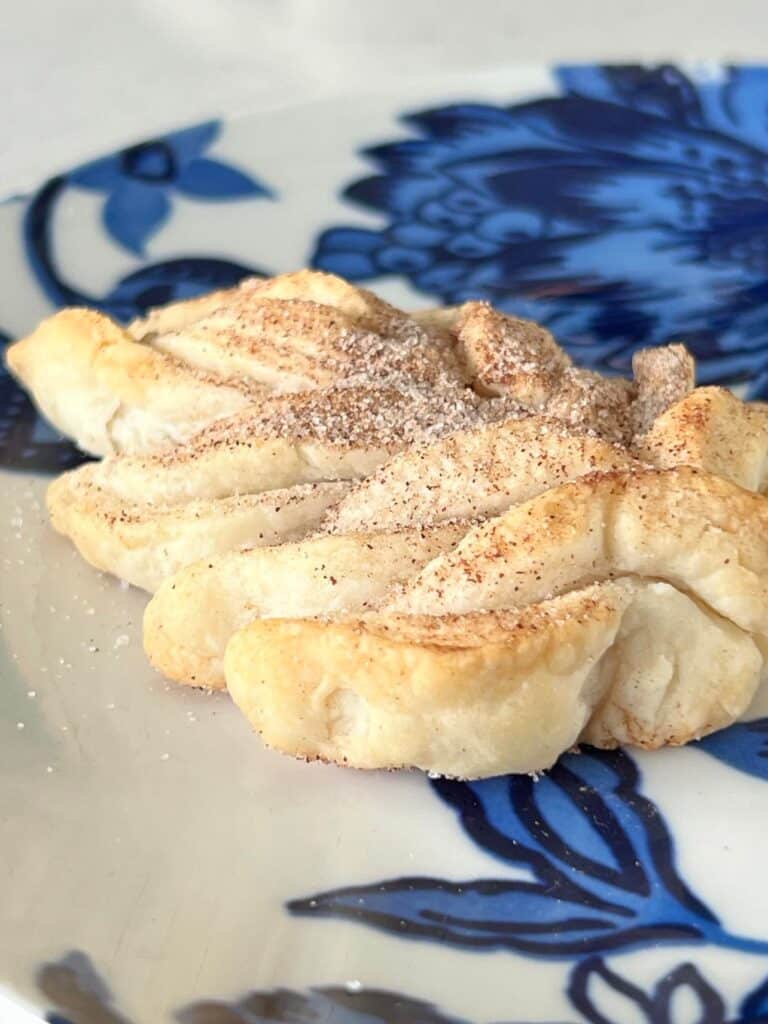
pixel 158 864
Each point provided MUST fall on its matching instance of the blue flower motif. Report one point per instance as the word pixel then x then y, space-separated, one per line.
pixel 138 182
pixel 743 746
pixel 152 284
pixel 627 211
pixel 598 862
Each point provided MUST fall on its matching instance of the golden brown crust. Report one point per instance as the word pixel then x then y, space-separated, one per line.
pixel 327 434
pixel 263 476
pixel 293 344
pixel 455 673
pixel 110 393
pixel 585 401
pixel 609 601
pixel 713 429
pixel 193 615
pixel 505 355
pixel 176 315
pixel 494 692
pixel 192 363
pixel 663 376
pixel 359 305
pixel 696 531
pixel 144 544
pixel 410 694
pixel 473 473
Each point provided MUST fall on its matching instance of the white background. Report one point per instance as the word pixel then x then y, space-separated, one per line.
pixel 78 77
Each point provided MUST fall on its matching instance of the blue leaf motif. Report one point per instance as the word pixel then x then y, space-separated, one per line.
pixel 100 175
pixel 211 179
pixel 754 1007
pixel 138 183
pixel 190 142
pixel 134 212
pixel 598 861
pixel 743 746
pixel 656 1007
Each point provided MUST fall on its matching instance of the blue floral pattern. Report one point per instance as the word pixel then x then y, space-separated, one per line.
pixel 627 211
pixel 598 857
pixel 657 1006
pixel 139 184
pixel 73 985
pixel 743 746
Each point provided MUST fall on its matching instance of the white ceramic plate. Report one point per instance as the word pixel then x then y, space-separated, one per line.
pixel 157 864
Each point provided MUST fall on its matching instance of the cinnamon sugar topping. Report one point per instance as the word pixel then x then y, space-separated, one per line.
pixel 352 417
pixel 663 376
pixel 328 362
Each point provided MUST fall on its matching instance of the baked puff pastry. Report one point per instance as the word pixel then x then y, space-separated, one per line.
pixel 479 473
pixel 415 539
pixel 191 618
pixel 505 355
pixel 466 476
pixel 625 607
pixel 110 393
pixel 264 476
pixel 188 364
pixel 472 473
pixel 714 430
pixel 487 693
pixel 144 544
